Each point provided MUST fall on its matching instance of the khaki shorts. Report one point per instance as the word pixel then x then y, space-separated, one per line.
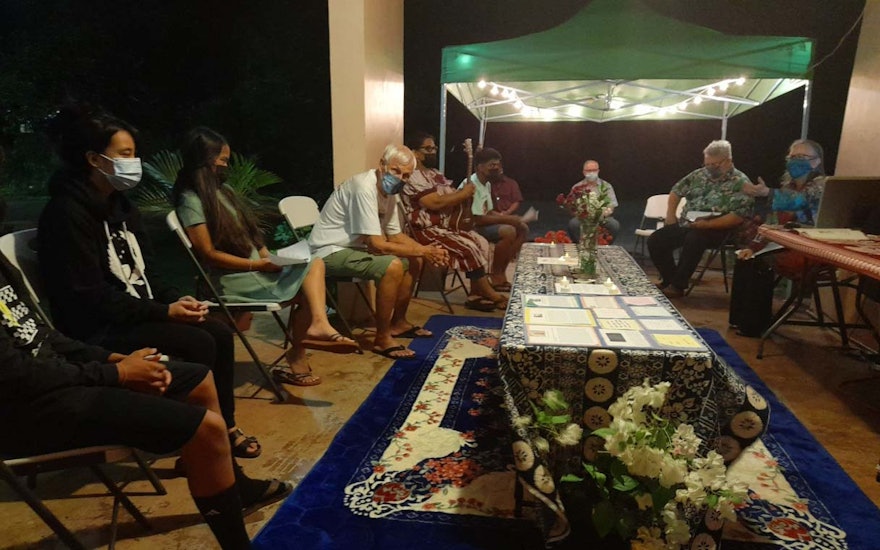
pixel 359 263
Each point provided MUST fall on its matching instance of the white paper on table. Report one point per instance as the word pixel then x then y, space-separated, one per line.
pixel 650 311
pixel 677 341
pixel 620 324
pixel 586 288
pixel 694 215
pixel 558 260
pixel 549 300
pixel 661 324
pixel 624 339
pixel 639 301
pixel 599 302
pixel 561 336
pixel 298 253
pixel 551 316
pixel 610 313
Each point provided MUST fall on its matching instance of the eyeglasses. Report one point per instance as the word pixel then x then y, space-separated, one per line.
pixel 428 149
pixel 714 164
pixel 800 157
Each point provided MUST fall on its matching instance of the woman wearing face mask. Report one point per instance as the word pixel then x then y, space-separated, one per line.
pixel 95 260
pixel 225 234
pixel 796 200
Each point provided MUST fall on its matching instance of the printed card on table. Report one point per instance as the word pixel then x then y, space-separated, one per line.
pixel 558 316
pixel 624 339
pixel 610 313
pixel 586 288
pixel 678 341
pixel 661 324
pixel 639 301
pixel 549 300
pixel 620 324
pixel 558 260
pixel 541 335
pixel 650 311
pixel 599 302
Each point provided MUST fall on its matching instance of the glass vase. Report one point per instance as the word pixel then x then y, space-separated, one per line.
pixel 588 248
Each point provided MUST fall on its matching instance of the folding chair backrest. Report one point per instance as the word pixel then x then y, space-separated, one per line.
pixel 19 248
pixel 656 206
pixel 299 211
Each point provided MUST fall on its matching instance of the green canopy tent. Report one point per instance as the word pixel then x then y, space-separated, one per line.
pixel 619 60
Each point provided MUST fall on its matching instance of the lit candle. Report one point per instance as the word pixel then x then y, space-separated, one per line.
pixel 608 282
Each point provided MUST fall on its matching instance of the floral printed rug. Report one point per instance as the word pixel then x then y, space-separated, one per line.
pixel 425 463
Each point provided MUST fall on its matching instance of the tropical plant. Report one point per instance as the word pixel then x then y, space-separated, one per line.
pixel 245 178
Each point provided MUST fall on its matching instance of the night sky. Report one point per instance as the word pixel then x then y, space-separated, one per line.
pixel 258 72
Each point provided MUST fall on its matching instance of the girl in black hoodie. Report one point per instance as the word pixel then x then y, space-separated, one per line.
pixel 95 257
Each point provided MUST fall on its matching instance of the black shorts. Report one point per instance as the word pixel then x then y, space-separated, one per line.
pixel 84 416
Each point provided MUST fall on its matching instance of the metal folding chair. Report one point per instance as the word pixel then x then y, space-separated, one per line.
pixel 16 247
pixel 228 307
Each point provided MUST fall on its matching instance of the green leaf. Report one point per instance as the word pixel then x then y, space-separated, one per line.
pixel 570 478
pixel 627 525
pixel 660 496
pixel 712 500
pixel 603 432
pixel 560 419
pixel 604 518
pixel 625 483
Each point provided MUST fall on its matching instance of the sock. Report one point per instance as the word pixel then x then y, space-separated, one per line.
pixel 222 513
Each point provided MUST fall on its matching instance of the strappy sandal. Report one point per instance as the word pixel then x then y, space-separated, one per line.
pixel 480 304
pixel 241 444
pixel 335 343
pixel 501 303
pixel 275 490
pixel 502 287
pixel 284 376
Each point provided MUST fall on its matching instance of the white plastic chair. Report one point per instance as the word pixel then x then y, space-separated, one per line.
pixel 18 248
pixel 655 211
pixel 301 212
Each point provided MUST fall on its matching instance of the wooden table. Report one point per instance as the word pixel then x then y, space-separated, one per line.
pixel 705 392
pixel 861 257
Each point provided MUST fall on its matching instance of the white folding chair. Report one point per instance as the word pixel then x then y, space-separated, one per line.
pixel 18 248
pixel 302 212
pixel 654 216
pixel 228 307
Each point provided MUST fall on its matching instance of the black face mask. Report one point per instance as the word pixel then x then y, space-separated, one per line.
pixel 222 173
pixel 431 160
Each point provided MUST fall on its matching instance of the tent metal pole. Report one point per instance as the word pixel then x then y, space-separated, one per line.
pixel 724 122
pixel 482 128
pixel 442 146
pixel 805 119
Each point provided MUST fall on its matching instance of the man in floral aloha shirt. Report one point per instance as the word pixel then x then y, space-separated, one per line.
pixel 715 188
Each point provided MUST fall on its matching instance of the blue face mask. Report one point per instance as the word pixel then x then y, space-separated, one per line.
pixel 798 167
pixel 391 184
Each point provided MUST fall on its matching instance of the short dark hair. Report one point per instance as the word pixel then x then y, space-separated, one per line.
pixel 486 155
pixel 416 139
pixel 78 128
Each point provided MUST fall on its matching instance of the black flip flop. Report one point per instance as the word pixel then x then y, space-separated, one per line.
pixel 413 332
pixel 388 351
pixel 276 491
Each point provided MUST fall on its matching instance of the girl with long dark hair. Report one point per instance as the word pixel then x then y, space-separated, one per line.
pixel 224 232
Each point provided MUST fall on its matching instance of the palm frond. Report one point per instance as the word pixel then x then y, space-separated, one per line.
pixel 164 166
pixel 153 197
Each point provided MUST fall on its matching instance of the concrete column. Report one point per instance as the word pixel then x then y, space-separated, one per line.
pixel 366 87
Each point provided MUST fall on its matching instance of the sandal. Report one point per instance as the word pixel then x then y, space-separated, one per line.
pixel 502 287
pixel 414 331
pixel 335 343
pixel 500 303
pixel 241 444
pixel 283 376
pixel 273 491
pixel 480 304
pixel 389 353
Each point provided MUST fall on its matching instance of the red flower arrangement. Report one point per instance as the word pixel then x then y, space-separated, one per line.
pixel 559 237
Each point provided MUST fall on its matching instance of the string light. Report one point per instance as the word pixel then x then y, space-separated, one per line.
pixel 481 84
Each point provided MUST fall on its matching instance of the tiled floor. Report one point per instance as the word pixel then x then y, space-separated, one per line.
pixel 833 394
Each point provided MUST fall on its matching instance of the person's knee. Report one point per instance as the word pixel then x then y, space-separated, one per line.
pixel 394 271
pixel 205 393
pixel 317 267
pixel 507 233
pixel 211 436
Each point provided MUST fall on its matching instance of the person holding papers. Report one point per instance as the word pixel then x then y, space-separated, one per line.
pixel 716 190
pixel 224 233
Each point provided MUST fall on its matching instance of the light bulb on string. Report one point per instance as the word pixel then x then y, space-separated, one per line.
pixel 481 84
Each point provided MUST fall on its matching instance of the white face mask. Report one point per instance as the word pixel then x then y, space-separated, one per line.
pixel 126 174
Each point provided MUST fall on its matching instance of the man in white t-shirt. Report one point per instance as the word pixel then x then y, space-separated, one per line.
pixel 508 232
pixel 358 235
